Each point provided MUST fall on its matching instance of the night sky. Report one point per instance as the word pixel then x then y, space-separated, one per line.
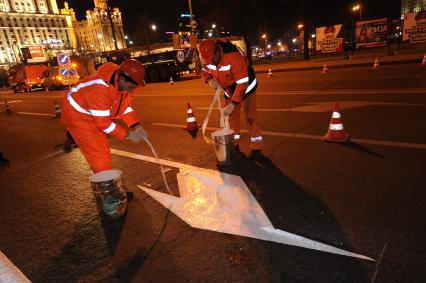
pixel 277 17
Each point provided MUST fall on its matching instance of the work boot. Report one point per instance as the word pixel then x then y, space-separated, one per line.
pixel 3 161
pixel 256 155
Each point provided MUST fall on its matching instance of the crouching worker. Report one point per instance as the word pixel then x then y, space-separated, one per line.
pixel 225 65
pixel 88 112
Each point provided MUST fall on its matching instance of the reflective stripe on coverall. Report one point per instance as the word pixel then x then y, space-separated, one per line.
pixel 87 112
pixel 240 84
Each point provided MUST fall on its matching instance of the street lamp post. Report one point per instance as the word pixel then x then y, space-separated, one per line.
pixel 358 8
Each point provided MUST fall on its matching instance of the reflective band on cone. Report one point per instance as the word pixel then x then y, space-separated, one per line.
pixel 191 122
pixel 336 131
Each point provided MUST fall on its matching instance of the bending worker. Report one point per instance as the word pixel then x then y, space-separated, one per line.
pixel 90 107
pixel 224 64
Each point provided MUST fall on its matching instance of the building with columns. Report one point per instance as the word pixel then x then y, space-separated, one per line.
pixel 95 32
pixel 32 25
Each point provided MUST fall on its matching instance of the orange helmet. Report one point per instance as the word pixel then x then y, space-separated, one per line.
pixel 207 48
pixel 134 70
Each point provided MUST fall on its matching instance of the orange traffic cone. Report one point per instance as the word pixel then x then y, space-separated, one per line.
pixel 269 73
pixel 335 132
pixel 57 110
pixel 424 60
pixel 171 81
pixel 191 121
pixel 324 69
pixel 7 107
pixel 376 64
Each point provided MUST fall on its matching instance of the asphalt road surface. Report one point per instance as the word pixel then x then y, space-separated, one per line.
pixel 366 196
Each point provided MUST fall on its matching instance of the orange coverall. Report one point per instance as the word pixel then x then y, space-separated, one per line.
pixel 238 80
pixel 88 111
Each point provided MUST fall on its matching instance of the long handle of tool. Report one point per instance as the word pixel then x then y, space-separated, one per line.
pixel 158 161
pixel 206 120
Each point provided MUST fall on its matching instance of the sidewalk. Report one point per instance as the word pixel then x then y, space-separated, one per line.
pixel 366 58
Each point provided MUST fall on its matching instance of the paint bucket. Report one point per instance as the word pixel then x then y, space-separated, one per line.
pixel 223 142
pixel 110 196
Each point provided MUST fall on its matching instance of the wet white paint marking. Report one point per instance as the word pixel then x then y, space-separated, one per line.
pixel 9 273
pixel 221 202
pixel 316 137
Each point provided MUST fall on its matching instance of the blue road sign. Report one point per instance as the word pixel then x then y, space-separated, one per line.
pixel 64 72
pixel 64 59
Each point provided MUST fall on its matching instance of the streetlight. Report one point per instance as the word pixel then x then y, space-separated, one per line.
pixel 154 27
pixel 300 26
pixel 265 37
pixel 358 8
pixel 213 26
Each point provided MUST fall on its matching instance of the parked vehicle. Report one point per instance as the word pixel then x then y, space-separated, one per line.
pixel 52 78
pixel 24 78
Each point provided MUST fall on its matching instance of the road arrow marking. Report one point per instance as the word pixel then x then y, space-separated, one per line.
pixel 221 202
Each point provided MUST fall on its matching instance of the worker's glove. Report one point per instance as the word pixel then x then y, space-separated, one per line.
pixel 213 84
pixel 137 135
pixel 228 109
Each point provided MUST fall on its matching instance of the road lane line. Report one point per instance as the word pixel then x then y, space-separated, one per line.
pixel 11 101
pixel 36 114
pixel 316 137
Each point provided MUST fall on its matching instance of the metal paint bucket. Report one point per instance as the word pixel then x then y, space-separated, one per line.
pixel 223 142
pixel 110 196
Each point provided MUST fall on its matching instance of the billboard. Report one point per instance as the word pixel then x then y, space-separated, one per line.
pixel 329 39
pixel 415 27
pixel 371 33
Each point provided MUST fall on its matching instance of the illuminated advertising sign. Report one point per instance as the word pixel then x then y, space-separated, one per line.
pixel 415 27
pixel 371 33
pixel 329 39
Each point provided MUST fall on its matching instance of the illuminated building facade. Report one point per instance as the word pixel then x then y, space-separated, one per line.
pixel 32 24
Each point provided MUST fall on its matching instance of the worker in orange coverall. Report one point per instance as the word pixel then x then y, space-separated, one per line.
pixel 90 108
pixel 224 64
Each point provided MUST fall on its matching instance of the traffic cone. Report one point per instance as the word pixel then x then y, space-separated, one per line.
pixel 324 69
pixel 191 121
pixel 7 107
pixel 269 73
pixel 424 60
pixel 376 64
pixel 171 80
pixel 335 132
pixel 57 110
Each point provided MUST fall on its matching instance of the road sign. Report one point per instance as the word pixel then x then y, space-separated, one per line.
pixel 64 72
pixel 72 71
pixel 64 59
pixel 180 56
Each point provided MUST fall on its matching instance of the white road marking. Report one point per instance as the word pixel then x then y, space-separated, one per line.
pixel 36 114
pixel 316 137
pixel 10 273
pixel 221 203
pixel 327 106
pixel 10 101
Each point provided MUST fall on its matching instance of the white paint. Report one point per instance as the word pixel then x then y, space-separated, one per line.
pixel 318 107
pixel 316 137
pixel 221 202
pixel 9 273
pixel 35 114
pixel 10 101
